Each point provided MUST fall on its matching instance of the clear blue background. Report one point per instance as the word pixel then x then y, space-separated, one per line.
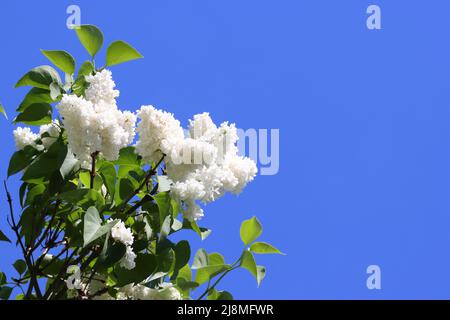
pixel 363 116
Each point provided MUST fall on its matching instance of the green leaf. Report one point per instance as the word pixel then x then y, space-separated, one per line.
pixel 108 173
pixel 85 178
pixel 128 157
pixel 204 274
pixel 126 189
pixel 92 223
pixel 202 232
pixel 36 114
pixel 44 166
pixel 119 52
pixel 79 86
pixel 34 193
pixel 52 265
pixel 91 37
pixel 86 69
pixel 185 273
pixel 176 225
pixel 219 295
pixel 200 259
pixel 61 59
pixel 163 200
pixel 261 273
pixel 83 197
pixel 2 111
pixel 250 230
pixel 166 261
pixel 264 248
pixel 184 280
pixel 215 258
pixel 39 77
pixel 3 237
pixel 55 91
pixel 20 266
pixel 69 165
pixel 112 255
pixel 5 292
pixel 29 224
pixel 182 254
pixel 145 266
pixel 186 285
pixel 35 95
pixel 2 278
pixel 165 228
pixel 92 226
pixel 248 262
pixel 23 188
pixel 20 160
pixel 20 296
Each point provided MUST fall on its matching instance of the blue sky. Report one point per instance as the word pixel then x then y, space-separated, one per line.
pixel 363 116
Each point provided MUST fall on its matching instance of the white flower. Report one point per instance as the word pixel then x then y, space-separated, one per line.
pixel 141 292
pixel 127 261
pixel 201 127
pixel 98 127
pixel 120 233
pixel 202 166
pixel 101 88
pixel 188 189
pixel 166 291
pixel 193 211
pixel 243 169
pixel 154 128
pixel 24 137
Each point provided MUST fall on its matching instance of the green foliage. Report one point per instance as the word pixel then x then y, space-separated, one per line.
pixel 61 59
pixel 36 114
pixel 3 237
pixel 86 69
pixel 69 211
pixel 263 248
pixel 91 37
pixel 250 230
pixel 39 77
pixel 20 266
pixel 21 159
pixel 93 228
pixel 219 295
pixel 119 52
pixel 146 264
pixel 5 292
pixel 2 111
pixel 35 95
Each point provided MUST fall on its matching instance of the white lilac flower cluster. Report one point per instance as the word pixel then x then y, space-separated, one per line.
pixel 165 291
pixel 202 166
pixel 94 123
pixel 120 233
pixel 48 133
